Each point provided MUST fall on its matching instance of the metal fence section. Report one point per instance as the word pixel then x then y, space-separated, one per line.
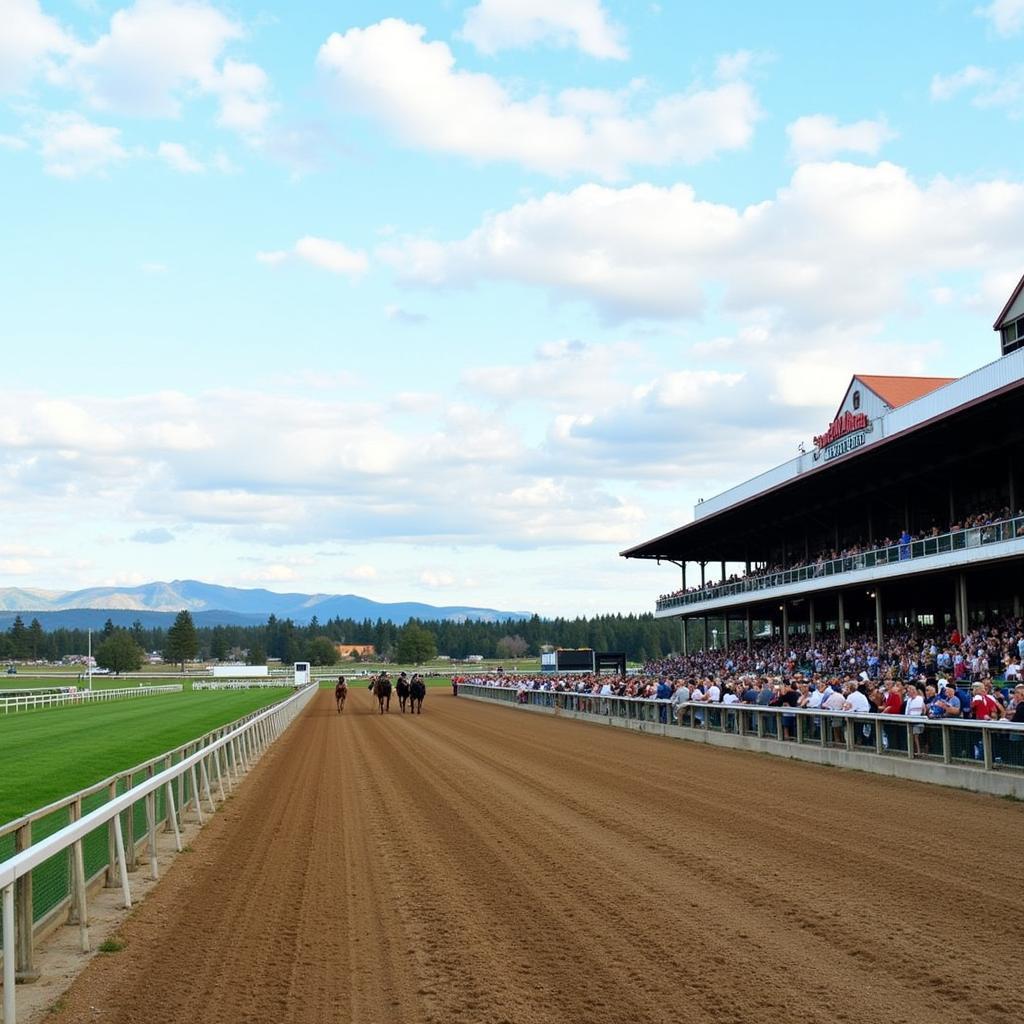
pixel 50 858
pixel 980 756
pixel 941 544
pixel 50 699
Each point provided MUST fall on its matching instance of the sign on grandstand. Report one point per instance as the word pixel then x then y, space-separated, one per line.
pixel 846 433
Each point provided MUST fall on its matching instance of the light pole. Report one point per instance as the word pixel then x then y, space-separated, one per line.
pixel 88 663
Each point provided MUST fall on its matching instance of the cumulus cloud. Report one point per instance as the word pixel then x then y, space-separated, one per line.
pixel 840 243
pixel 72 146
pixel 320 252
pixel 412 87
pixel 155 57
pixel 988 89
pixel 493 25
pixel 177 156
pixel 29 41
pixel 1005 16
pixel 820 137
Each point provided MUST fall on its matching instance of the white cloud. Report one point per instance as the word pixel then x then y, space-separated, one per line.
pixel 945 87
pixel 12 142
pixel 28 41
pixel 154 268
pixel 990 90
pixel 840 243
pixel 388 72
pixel 320 252
pixel 273 257
pixel 820 137
pixel 1006 16
pixel 493 25
pixel 175 155
pixel 73 146
pixel 562 374
pixel 159 54
pixel 332 256
pixel 275 573
pixel 17 566
pixel 404 316
pixel 437 579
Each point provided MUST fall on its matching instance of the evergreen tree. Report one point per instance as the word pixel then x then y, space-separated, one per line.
pixel 182 642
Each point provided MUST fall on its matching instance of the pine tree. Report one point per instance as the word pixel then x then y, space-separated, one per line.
pixel 182 641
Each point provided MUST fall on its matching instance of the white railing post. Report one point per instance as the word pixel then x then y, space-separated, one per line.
pixel 172 815
pixel 122 867
pixel 195 794
pixel 9 1006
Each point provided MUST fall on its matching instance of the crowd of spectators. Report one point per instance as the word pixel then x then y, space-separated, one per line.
pixel 974 676
pixel 889 548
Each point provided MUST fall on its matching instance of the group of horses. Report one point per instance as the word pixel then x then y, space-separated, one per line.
pixel 410 692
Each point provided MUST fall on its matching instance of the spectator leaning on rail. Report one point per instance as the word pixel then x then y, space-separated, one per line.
pixel 947 704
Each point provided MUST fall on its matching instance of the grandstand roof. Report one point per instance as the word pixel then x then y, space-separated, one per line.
pixel 979 412
pixel 1009 303
pixel 897 391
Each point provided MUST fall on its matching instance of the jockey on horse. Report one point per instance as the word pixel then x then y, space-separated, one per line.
pixel 402 690
pixel 340 693
pixel 381 687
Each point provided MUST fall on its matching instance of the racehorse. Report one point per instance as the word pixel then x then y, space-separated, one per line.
pixel 382 691
pixel 417 691
pixel 402 690
pixel 340 693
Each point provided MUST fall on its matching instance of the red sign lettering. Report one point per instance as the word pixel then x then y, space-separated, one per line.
pixel 840 427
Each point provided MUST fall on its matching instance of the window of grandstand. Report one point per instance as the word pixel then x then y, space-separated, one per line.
pixel 1013 335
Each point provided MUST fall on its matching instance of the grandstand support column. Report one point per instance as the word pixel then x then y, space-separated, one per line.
pixel 686 644
pixel 879 623
pixel 723 570
pixel 842 618
pixel 703 581
pixel 707 642
pixel 964 617
pixel 682 565
pixel 810 618
pixel 725 630
pixel 750 629
pixel 785 622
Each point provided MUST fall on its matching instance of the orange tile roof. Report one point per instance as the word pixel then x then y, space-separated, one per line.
pixel 897 391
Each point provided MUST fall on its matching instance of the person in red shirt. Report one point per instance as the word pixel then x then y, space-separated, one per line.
pixel 893 702
pixel 984 706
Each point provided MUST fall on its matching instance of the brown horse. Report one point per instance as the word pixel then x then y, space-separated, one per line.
pixel 382 691
pixel 340 693
pixel 402 691
pixel 417 691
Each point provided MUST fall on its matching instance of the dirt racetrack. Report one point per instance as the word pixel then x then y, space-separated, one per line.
pixel 483 864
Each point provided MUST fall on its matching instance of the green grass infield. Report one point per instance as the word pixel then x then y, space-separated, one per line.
pixel 53 752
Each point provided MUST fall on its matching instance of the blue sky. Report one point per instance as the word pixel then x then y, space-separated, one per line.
pixel 454 301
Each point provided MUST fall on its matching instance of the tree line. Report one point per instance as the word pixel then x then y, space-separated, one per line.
pixel 639 637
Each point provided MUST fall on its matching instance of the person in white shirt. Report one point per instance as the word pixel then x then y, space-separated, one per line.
pixel 915 707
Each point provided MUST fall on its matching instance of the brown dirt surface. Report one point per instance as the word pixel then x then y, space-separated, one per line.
pixel 484 864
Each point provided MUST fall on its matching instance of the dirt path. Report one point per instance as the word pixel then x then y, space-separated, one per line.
pixel 481 864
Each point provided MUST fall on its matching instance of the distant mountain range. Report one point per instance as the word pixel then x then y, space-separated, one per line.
pixel 156 604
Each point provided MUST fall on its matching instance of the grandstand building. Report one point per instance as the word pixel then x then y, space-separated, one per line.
pixel 906 510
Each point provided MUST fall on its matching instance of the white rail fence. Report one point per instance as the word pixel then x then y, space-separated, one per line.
pixel 980 756
pixel 243 684
pixel 30 701
pixel 220 760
